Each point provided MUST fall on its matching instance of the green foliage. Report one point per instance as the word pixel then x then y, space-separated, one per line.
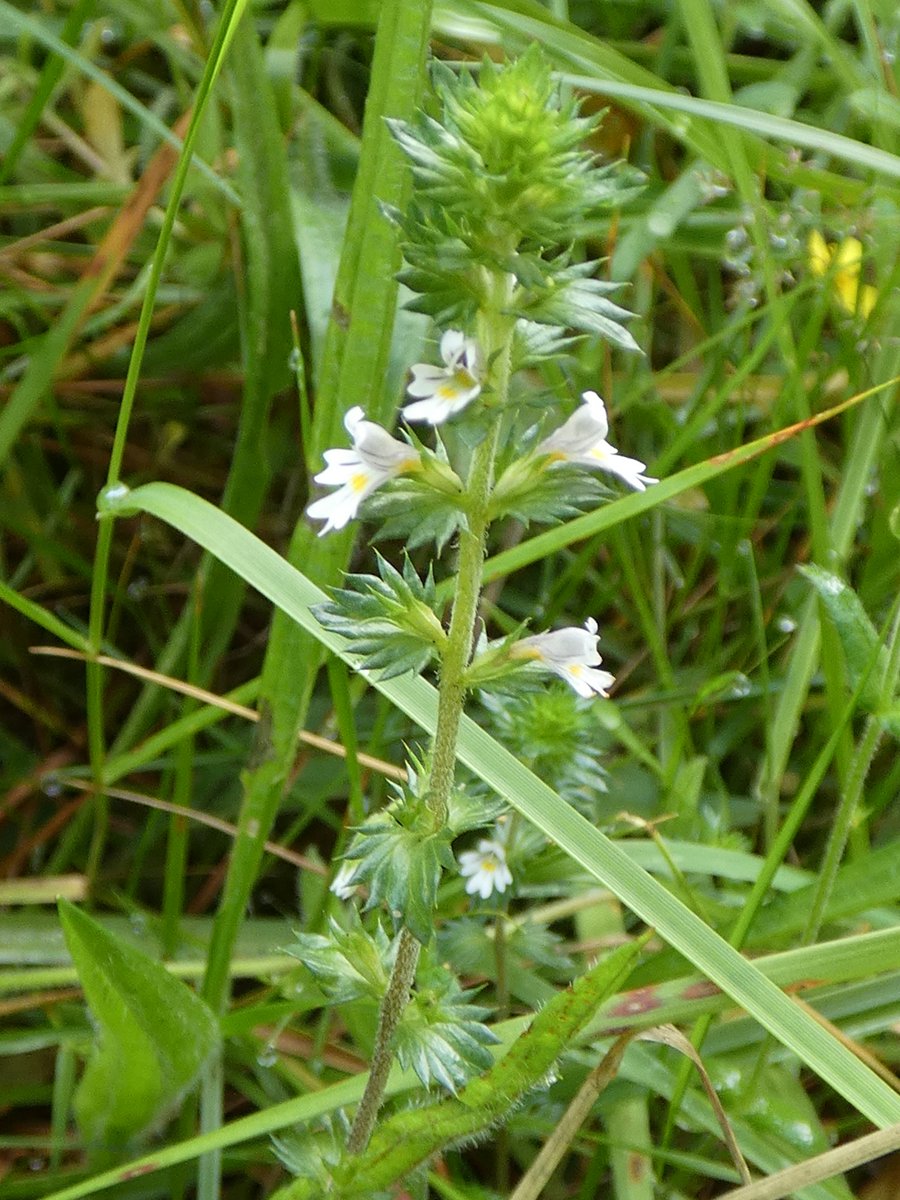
pixel 413 1136
pixel 500 176
pixel 552 732
pixel 388 620
pixel 154 1036
pixel 529 493
pixel 442 1036
pixel 577 301
pixel 399 854
pixel 347 964
pixel 413 511
pixel 756 129
pixel 866 654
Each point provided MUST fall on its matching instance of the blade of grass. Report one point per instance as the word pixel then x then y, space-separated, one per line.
pixel 78 16
pixel 41 34
pixel 354 363
pixel 619 78
pixel 294 594
pixel 225 30
pixel 544 544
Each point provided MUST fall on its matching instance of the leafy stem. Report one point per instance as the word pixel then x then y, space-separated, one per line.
pixel 495 335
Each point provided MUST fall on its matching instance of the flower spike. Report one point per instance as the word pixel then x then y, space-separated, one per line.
pixel 439 392
pixel 582 440
pixel 356 473
pixel 570 653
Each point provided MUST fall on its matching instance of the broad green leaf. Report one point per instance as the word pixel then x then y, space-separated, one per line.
pixel 607 862
pixel 154 1035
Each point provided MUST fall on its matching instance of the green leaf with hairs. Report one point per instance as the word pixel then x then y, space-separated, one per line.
pixel 154 1035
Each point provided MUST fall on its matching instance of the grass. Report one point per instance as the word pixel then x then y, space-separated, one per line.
pixel 171 192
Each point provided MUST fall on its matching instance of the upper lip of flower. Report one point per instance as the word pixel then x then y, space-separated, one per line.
pixel 439 392
pixel 374 458
pixel 582 439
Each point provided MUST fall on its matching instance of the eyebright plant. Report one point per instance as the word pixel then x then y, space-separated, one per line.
pixel 503 182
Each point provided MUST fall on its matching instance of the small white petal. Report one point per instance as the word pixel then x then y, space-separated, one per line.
pixel 352 418
pixel 570 653
pixel 381 452
pixel 587 681
pixel 453 347
pixel 439 392
pixel 485 868
pixel 341 885
pixel 338 509
pixel 582 440
pixel 426 378
pixel 596 407
pixel 374 458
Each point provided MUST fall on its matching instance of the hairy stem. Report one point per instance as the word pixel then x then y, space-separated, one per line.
pixel 452 691
pixel 395 1000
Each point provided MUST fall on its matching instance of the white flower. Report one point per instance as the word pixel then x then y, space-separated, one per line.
pixel 570 653
pixel 341 885
pixel 485 868
pixel 440 392
pixel 375 458
pixel 582 439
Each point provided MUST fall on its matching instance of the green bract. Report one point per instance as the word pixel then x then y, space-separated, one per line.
pixel 504 182
pixel 442 1036
pixel 399 854
pixel 388 621
pixel 348 964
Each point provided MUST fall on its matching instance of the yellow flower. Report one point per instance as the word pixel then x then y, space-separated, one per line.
pixel 842 264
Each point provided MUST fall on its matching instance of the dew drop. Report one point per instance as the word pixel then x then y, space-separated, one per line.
pixel 741 686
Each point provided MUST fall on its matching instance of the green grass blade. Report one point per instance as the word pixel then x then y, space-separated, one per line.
pixel 355 358
pixel 544 544
pixel 676 924
pixel 618 77
pixel 78 15
pixel 228 20
pixel 46 620
pixel 35 29
pixel 849 959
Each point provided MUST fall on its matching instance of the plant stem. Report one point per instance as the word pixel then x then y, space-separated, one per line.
pixel 395 1000
pixel 451 698
pixel 495 334
pixel 460 636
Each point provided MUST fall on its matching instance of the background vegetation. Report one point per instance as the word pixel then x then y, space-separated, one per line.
pixel 747 758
